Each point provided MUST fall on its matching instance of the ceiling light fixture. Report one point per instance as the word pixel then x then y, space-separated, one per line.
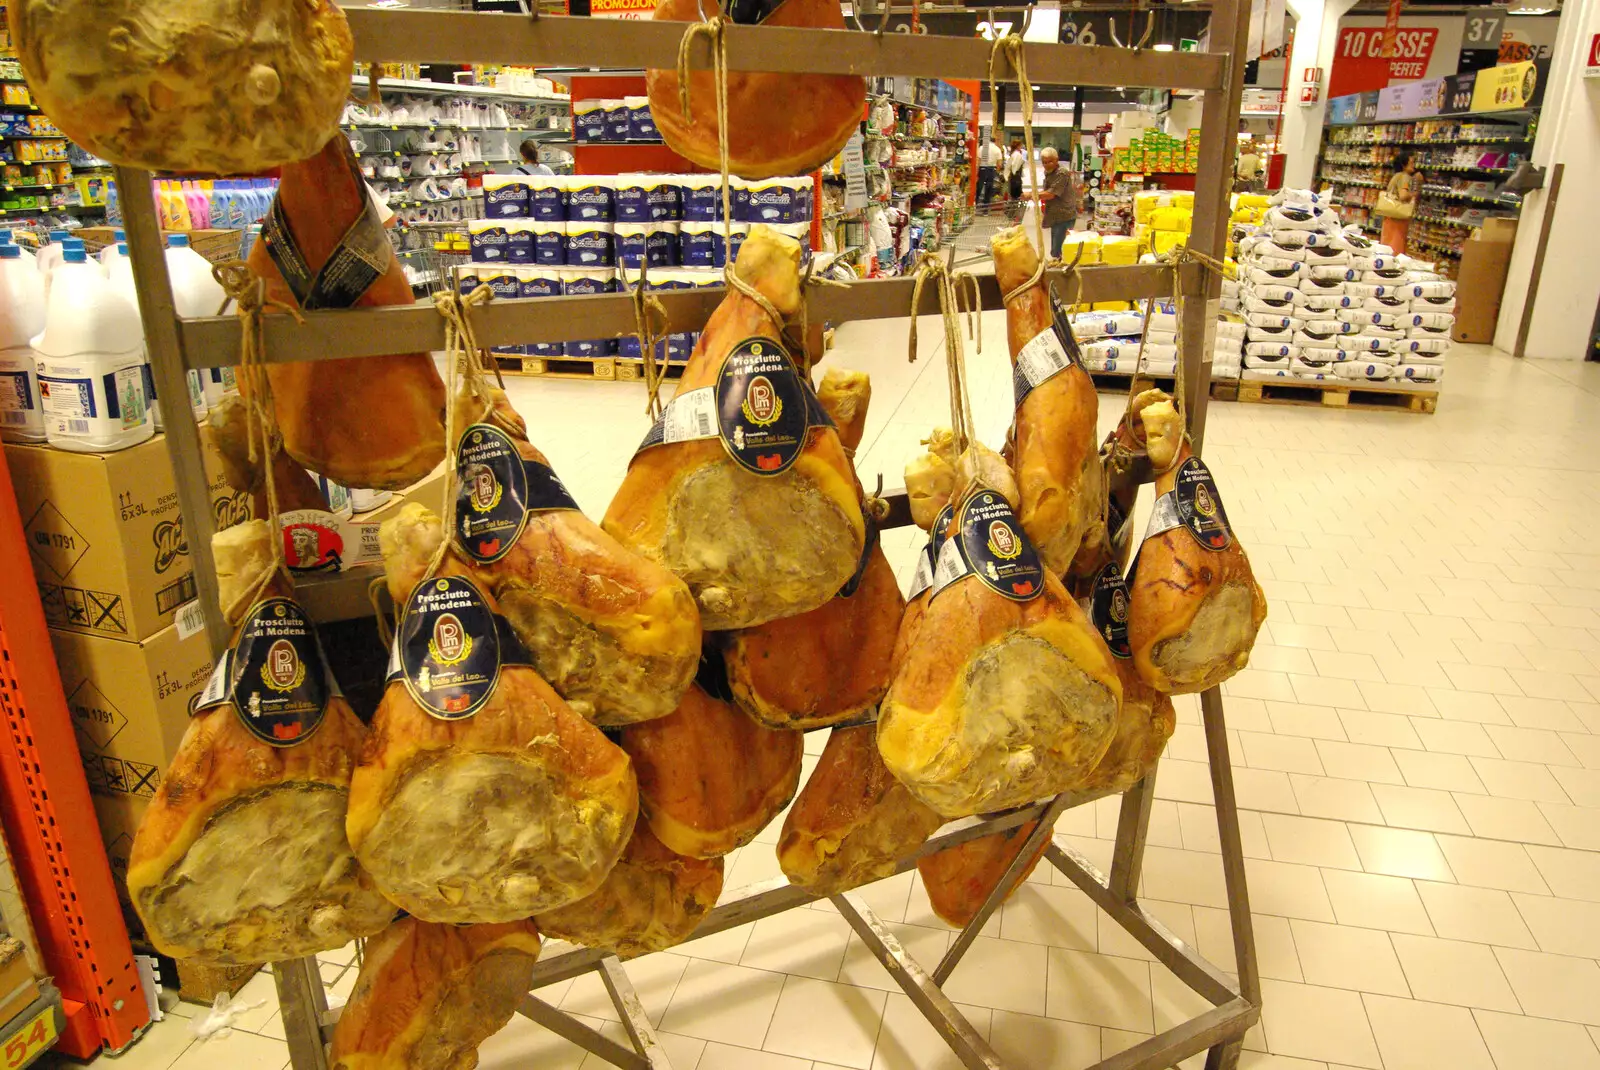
pixel 1162 47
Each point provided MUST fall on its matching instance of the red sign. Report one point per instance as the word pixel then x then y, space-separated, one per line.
pixel 1391 29
pixel 1360 66
pixel 1594 51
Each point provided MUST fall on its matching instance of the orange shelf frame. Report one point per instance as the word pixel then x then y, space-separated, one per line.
pixel 50 824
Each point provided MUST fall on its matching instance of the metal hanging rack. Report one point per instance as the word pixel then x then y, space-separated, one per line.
pixel 383 35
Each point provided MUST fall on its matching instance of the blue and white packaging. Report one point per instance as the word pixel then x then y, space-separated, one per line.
pixel 590 244
pixel 588 120
pixel 505 196
pixel 702 198
pixel 767 200
pixel 725 248
pixel 547 197
pixel 641 124
pixel 546 242
pixel 801 233
pixel 506 282
pixel 665 205
pixel 539 282
pixel 697 243
pixel 489 240
pixel 589 280
pixel 656 243
pixel 616 127
pixel 631 199
pixel 591 199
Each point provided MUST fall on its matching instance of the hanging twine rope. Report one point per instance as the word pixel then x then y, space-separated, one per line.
pixel 464 372
pixel 650 327
pixel 248 292
pixel 1009 49
pixel 951 290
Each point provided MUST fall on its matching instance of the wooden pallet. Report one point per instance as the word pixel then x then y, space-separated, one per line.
pixel 1117 383
pixel 1338 395
pixel 621 369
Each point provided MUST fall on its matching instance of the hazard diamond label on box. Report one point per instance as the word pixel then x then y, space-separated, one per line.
pixel 95 719
pixel 53 541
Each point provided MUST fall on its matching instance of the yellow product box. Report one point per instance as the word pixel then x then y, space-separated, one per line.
pixel 1167 240
pixel 15 93
pixel 1113 306
pixel 1119 249
pixel 1171 217
pixel 1091 247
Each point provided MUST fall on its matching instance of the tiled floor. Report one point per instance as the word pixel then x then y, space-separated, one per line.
pixel 1416 745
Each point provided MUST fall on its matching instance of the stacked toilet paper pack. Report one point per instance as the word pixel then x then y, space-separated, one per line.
pixel 1324 302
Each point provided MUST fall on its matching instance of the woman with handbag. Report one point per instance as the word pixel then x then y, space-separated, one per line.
pixel 1397 203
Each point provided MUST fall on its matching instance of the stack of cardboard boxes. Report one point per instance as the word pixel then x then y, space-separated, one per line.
pixel 1153 152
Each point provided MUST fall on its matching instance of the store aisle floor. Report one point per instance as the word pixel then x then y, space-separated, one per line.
pixel 1416 748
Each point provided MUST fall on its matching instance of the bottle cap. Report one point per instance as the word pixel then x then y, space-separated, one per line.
pixel 9 251
pixel 119 234
pixel 72 243
pixel 177 241
pixel 74 256
pixel 122 248
pixel 57 235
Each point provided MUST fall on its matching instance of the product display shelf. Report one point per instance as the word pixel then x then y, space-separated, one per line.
pixel 459 37
pixel 417 85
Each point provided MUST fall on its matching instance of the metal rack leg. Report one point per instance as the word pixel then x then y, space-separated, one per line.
pixel 304 1003
pixel 1133 825
pixel 631 1010
pixel 569 1028
pixel 973 1051
pixel 1232 845
pixel 1008 880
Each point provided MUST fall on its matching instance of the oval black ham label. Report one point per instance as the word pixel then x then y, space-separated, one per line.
pixel 997 551
pixel 762 415
pixel 496 490
pixel 448 647
pixel 278 681
pixel 1108 608
pixel 1200 506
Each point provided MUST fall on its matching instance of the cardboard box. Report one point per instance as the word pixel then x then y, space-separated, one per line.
pixel 130 708
pixel 1481 281
pixel 107 544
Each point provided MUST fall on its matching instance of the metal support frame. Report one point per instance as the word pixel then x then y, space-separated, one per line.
pixel 433 36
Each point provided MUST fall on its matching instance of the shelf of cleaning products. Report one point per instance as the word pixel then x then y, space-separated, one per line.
pixel 1457 195
pixel 1354 182
pixel 464 128
pixel 407 85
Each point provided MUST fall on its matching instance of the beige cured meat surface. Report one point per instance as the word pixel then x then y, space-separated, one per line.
pixel 1193 611
pixel 997 702
pixel 751 547
pixel 428 995
pixel 1053 452
pixel 616 635
pixel 521 807
pixel 214 86
pixel 778 124
pixel 242 856
pixel 653 899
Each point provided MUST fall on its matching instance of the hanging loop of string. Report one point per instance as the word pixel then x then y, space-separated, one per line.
pixel 932 270
pixel 464 372
pixel 650 327
pixel 1010 50
pixel 248 292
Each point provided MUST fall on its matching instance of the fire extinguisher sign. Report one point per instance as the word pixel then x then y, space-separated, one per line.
pixel 1592 68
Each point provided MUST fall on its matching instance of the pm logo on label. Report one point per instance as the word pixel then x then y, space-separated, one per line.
pixel 451 645
pixel 1003 542
pixel 486 490
pixel 282 671
pixel 762 406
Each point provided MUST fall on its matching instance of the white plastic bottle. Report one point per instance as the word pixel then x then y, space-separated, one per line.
pixel 50 254
pixel 119 272
pixel 91 363
pixel 118 242
pixel 21 317
pixel 6 237
pixel 195 292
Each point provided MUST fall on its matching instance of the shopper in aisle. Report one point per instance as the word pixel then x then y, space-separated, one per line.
pixel 990 157
pixel 1014 164
pixel 1058 199
pixel 530 160
pixel 1247 169
pixel 1399 202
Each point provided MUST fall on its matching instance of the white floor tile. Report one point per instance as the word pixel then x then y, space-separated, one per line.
pixel 830 1022
pixel 1307 1022
pixel 1481 915
pixel 1553 986
pixel 1454 971
pixel 908 1042
pixel 1342 956
pixel 727 1004
pixel 1100 990
pixel 1523 1043
pixel 1400 853
pixel 1026 1040
pixel 1416 1035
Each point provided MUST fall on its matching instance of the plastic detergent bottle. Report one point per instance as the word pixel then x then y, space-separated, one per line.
pixel 26 254
pixel 119 272
pixel 196 293
pixel 90 363
pixel 109 253
pixel 21 317
pixel 195 200
pixel 67 246
pixel 50 255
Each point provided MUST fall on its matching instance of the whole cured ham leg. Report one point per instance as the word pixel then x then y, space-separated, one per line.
pixel 831 664
pixel 616 635
pixel 1053 452
pixel 653 899
pixel 710 777
pixel 742 488
pixel 819 112
pixel 1006 694
pixel 1147 719
pixel 960 879
pixel 242 856
pixel 480 796
pixel 1195 606
pixel 853 821
pixel 361 421
pixel 220 87
pixel 428 995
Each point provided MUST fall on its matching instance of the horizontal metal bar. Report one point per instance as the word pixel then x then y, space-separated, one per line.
pixel 1231 1020
pixel 771 897
pixel 951 1025
pixel 213 341
pixel 390 36
pixel 1177 956
pixel 567 1027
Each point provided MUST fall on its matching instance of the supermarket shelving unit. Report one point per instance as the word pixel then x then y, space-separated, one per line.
pixel 456 37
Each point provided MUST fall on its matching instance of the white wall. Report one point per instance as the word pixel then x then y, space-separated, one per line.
pixel 1315 35
pixel 1569 133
